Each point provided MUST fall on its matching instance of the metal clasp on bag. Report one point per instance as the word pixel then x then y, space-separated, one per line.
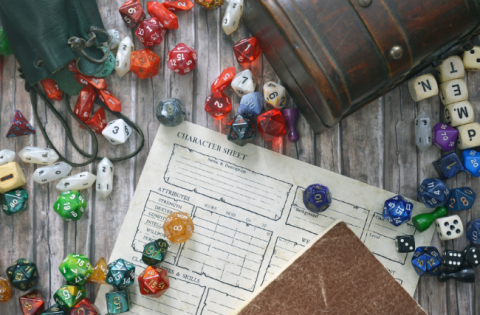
pixel 79 44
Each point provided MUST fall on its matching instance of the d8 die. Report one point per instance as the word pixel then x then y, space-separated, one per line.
pixel 11 177
pixel 163 14
pixel 251 105
pixel 272 125
pixel 452 259
pixel 76 269
pixel 468 136
pixel 120 274
pixel 275 94
pixel 244 83
pixel 448 166
pixel 144 63
pixel 426 261
pixel 473 231
pixel 210 4
pixel 55 309
pixel 449 228
pixel 85 307
pixel 223 80
pixel 155 252
pixel 240 130
pixel 461 199
pixel 117 132
pixel 38 155
pixel 105 172
pixel 170 112
pixel 471 59
pixel 397 210
pixel 151 32
pixel 117 302
pixel 80 181
pixel 453 91
pixel 51 89
pixel 5 291
pixel 471 162
pixel 405 243
pixel 182 59
pixel 231 19
pixel 70 205
pixel 424 220
pixel 451 68
pixel 178 227
pixel 433 193
pixel 69 295
pixel 52 172
pixel 114 39
pixel 218 105
pixel 423 87
pixel 32 303
pixel 108 66
pixel 444 137
pixel 471 255
pixel 15 201
pixel 23 274
pixel 132 13
pixel 99 274
pixel 247 50
pixel 6 156
pixel 153 282
pixel 317 198
pixel 458 114
pixel 124 55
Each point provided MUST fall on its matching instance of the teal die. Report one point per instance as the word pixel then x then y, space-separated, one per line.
pixel 109 65
pixel 120 274
pixel 117 302
pixel 15 201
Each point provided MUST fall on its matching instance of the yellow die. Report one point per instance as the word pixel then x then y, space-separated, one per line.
pixel 471 59
pixel 453 91
pixel 275 94
pixel 11 177
pixel 458 114
pixel 468 136
pixel 451 68
pixel 423 87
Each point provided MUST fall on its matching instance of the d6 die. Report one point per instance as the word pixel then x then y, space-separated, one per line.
pixel 423 87
pixel 471 59
pixel 433 193
pixel 144 63
pixel 182 59
pixel 275 94
pixel 11 177
pixel 117 302
pixel 52 172
pixel 473 231
pixel 120 274
pixel 70 205
pixel 453 91
pixel 132 13
pixel 452 259
pixel 461 199
pixel 124 55
pixel 80 181
pixel 251 105
pixel 218 105
pixel 15 201
pixel 271 125
pixel 170 112
pixel 449 228
pixel 426 261
pixel 247 50
pixel 448 166
pixel 405 243
pixel 32 303
pixel 317 198
pixel 468 136
pixel 240 130
pixel 105 172
pixel 397 210
pixel 117 132
pixel 444 137
pixel 38 155
pixel 471 255
pixel 458 114
pixel 151 32
pixel 178 227
pixel 69 295
pixel 153 282
pixel 244 83
pixel 155 252
pixel 76 269
pixel 231 19
pixel 451 68
pixel 471 162
pixel 23 274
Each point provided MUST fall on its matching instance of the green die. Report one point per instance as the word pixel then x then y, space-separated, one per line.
pixel 69 295
pixel 15 201
pixel 70 205
pixel 4 45
pixel 54 310
pixel 155 252
pixel 76 269
pixel 117 302
pixel 120 274
pixel 23 274
pixel 109 65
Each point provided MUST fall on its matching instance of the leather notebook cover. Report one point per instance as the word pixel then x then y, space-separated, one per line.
pixel 335 274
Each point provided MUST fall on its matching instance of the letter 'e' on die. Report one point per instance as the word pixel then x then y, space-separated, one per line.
pixel 471 59
pixel 453 91
pixel 468 136
pixel 423 87
pixel 451 68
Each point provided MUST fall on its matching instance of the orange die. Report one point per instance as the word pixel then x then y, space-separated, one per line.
pixel 165 16
pixel 32 303
pixel 72 66
pixel 153 282
pixel 145 63
pixel 178 227
pixel 52 90
pixel 110 100
pixel 99 274
pixel 98 83
pixel 84 105
pixel 223 80
pixel 85 307
pixel 5 291
pixel 97 122
pixel 218 105
pixel 178 5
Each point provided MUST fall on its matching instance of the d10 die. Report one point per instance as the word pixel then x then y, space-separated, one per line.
pixel 76 269
pixel 117 302
pixel 20 126
pixel 182 59
pixel 423 87
pixel 6 156
pixel 423 131
pixel 444 137
pixel 155 252
pixel 247 50
pixel 471 59
pixel 108 66
pixel 15 201
pixel 52 90
pixel 144 63
pixel 70 205
pixel 161 12
pixel 473 231
pixel 271 125
pixel 132 13
pixel 405 243
pixel 5 291
pixel 453 91
pixel 178 227
pixel 38 155
pixel 218 105
pixel 171 112
pixel 449 228
pixel 223 80
pixel 244 83
pixel 275 94
pixel 231 19
pixel 452 259
pixel 11 177
pixel 468 136
pixel 23 274
pixel 458 114
pixel 85 307
pixel 55 309
pixel 151 32
pixel 110 100
pixel 105 172
pixel 69 295
pixel 117 132
pixel 99 274
pixel 433 193
pixel 84 105
pixel 52 172
pixel 317 198
pixel 448 166
pixel 461 199
pixel 114 39
pixel 98 83
pixel 471 162
pixel 471 255
pixel 451 68
pixel 210 4
pixel 153 282
pixel 80 181
pixel 291 117
pixel 120 274
pixel 251 105
pixel 240 130
pixel 426 261
pixel 124 55
pixel 32 303
pixel 397 210
pixel 424 220
pixel 97 122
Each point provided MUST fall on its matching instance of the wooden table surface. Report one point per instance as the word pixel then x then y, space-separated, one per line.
pixel 375 145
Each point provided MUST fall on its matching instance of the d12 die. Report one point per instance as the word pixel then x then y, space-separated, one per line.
pixel 5 291
pixel 114 39
pixel 76 269
pixel 132 13
pixel 471 162
pixel 15 201
pixel 124 55
pixel 120 274
pixel 444 137
pixel 98 121
pixel 452 259
pixel 110 100
pixel 144 63
pixel 70 205
pixel 182 59
pixel 461 199
pixel 171 112
pixel 471 255
pixel 240 130
pixel 153 282
pixel 69 295
pixel 451 68
pixel 317 198
pixel 471 59
pixel 52 172
pixel 108 66
pixel 178 5
pixel 117 302
pixel 11 177
pixel 223 80
pixel 35 155
pixel 251 105
pixel 80 181
pixel 271 125
pixel 117 132
pixel 465 274
pixel 151 32
pixel 243 83
pixel 397 210
pixel 468 136
pixel 291 117
pixel 52 90
pixel 275 94
pixel 178 227
pixel 210 4
pixel 449 228
pixel 55 309
pixel 433 193
pixel 105 172
pixel 20 126
pixel 424 220
pixel 453 91
pixel 23 274
pixel 458 114
pixel 426 261
pixel 84 105
pixel 32 303
pixel 405 243
pixel 473 231
pixel 247 50
pixel 155 252
pixel 99 274
pixel 85 307
pixel 422 87
pixel 218 105
pixel 164 15
pixel 5 49
pixel 448 166
pixel 98 83
pixel 6 156
pixel 231 19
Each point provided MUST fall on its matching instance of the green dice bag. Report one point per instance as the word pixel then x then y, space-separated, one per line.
pixel 45 36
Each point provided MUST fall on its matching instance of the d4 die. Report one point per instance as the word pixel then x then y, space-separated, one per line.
pixel 117 132
pixel 449 228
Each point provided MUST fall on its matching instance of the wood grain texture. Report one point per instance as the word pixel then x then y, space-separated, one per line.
pixel 374 145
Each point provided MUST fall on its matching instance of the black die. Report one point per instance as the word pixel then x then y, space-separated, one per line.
pixel 472 255
pixel 452 259
pixel 405 243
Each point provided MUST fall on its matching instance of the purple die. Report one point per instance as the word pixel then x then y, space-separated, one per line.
pixel 317 198
pixel 444 136
pixel 397 210
pixel 291 117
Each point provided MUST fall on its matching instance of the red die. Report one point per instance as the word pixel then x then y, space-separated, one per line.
pixel 132 13
pixel 32 303
pixel 110 100
pixel 153 281
pixel 224 79
pixel 52 90
pixel 72 66
pixel 144 63
pixel 20 126
pixel 271 124
pixel 97 122
pixel 178 5
pixel 182 59
pixel 218 105
pixel 247 50
pixel 151 32
pixel 85 101
pixel 165 16
pixel 98 83
pixel 85 307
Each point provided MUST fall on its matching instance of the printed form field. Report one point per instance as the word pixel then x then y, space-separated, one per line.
pixel 219 303
pixel 283 252
pixel 234 185
pixel 225 249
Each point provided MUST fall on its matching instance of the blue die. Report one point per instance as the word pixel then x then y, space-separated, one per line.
pixel 433 193
pixel 473 231
pixel 426 261
pixel 397 210
pixel 461 199
pixel 317 198
pixel 448 166
pixel 471 161
pixel 251 105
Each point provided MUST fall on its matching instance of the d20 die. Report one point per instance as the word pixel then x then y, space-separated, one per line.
pixel 84 105
pixel 178 227
pixel 85 307
pixel 76 269
pixel 426 261
pixel 52 172
pixel 151 32
pixel 423 87
pixel 448 166
pixel 251 105
pixel 473 231
pixel 451 68
pixel 458 114
pixel 218 105
pixel 452 259
pixel 164 15
pixel 35 155
pixel 97 122
pixel 275 94
pixel 423 131
pixel 124 55
pixel 240 130
pixel 444 137
pixel 114 39
pixel 397 210
pixel 52 90
pixel 32 303
pixel 55 309
pixel 461 199
pixel 117 302
pixel 120 274
pixel 98 83
pixel 155 252
pixel 405 243
pixel 433 192
pixel 223 80
pixel 171 112
pixel 317 198
pixel 20 126
pixel 471 255
pixel 15 201
pixel 471 162
pixel 70 205
pixel 469 136
pixel 11 177
pixel 6 156
pixel 182 59
pixel 210 4
pixel 244 83
pixel 117 132
pixel 153 282
pixel 144 63
pixel 449 228
pixel 247 50
pixel 471 59
pixel 5 291
pixel 453 91
pixel 80 181
pixel 99 274
pixel 233 14
pixel 23 274
pixel 132 13
pixel 105 172
pixel 271 125
pixel 69 295
pixel 110 100
pixel 108 66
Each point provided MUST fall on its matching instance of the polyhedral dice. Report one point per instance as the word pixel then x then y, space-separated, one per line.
pixel 85 307
pixel 423 87
pixel 108 66
pixel 6 156
pixel 120 274
pixel 473 231
pixel 144 63
pixel 178 5
pixel 124 55
pixel 55 309
pixel 451 68
pixel 114 39
pixel 291 118
pixel 20 126
pixel 84 105
pixel 99 274
pixel 433 192
pixel 155 252
pixel 218 105
pixel 471 59
pixel 132 13
pixel 424 220
pixel 449 228
pixel 461 199
pixel 76 269
pixel 210 4
pixel 452 259
pixel 247 50
pixel 182 59
pixel 271 125
pixel 11 177
pixel 35 155
pixel 317 198
pixel 471 162
pixel 240 130
pixel 426 261
pixel 275 94
pixel 70 205
pixel 466 274
pixel 405 243
pixel 51 89
pixel 98 83
pixel 444 137
pixel 151 32
pixel 223 80
pixel 69 295
pixel 117 132
pixel 5 49
pixel 117 302
pixel 458 114
pixel 110 100
pixel 52 172
pixel 243 83
pixel 170 112
pixel 80 181
pixel 233 14
pixel 97 122
pixel 32 303
pixel 153 282
pixel 397 210
pixel 448 166
pixel 251 105
pixel 5 291
pixel 23 274
pixel 471 255
pixel 178 227
pixel 15 201
pixel 164 15
pixel 453 91
pixel 105 172
pixel 468 136
pixel 72 66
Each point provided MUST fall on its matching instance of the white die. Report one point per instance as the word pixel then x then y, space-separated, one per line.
pixel 451 68
pixel 471 59
pixel 468 136
pixel 35 155
pixel 231 20
pixel 275 94
pixel 449 228
pixel 117 132
pixel 453 91
pixel 244 83
pixel 124 55
pixel 114 39
pixel 458 114
pixel 52 172
pixel 77 182
pixel 423 87
pixel 6 156
pixel 105 172
pixel 423 131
